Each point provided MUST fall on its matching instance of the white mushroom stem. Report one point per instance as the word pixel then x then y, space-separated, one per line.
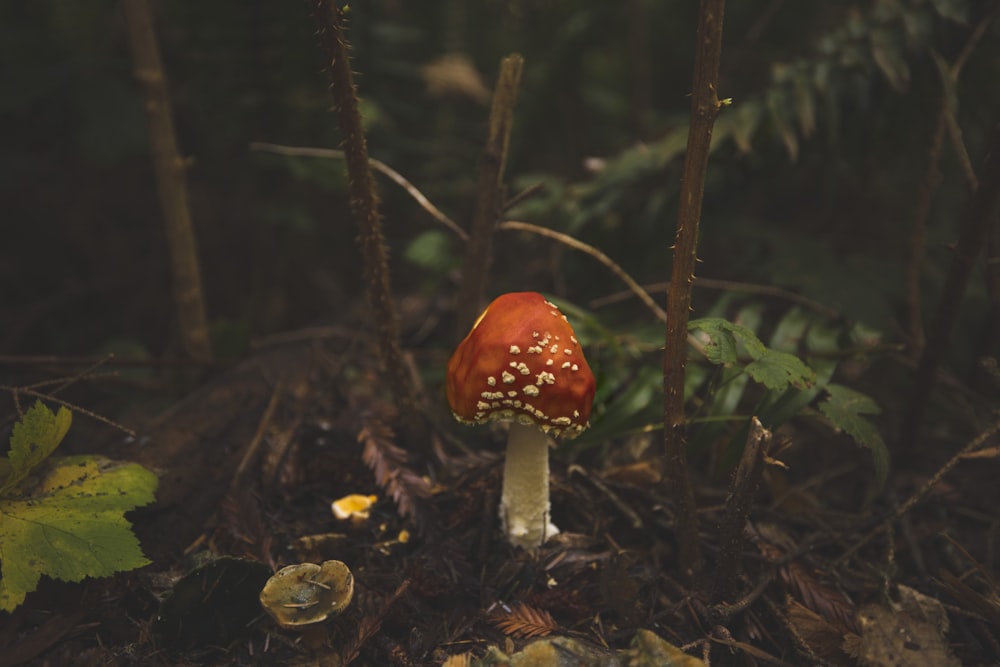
pixel 524 503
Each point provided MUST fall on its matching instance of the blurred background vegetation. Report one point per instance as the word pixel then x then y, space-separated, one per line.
pixel 812 186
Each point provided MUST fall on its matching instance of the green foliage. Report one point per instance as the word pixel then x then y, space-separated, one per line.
pixel 847 60
pixel 846 68
pixel 844 284
pixel 771 368
pixel 792 374
pixel 34 438
pixel 64 517
pixel 792 385
pixel 432 250
pixel 846 408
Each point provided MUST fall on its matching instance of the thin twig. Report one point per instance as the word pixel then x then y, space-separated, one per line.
pixel 489 193
pixel 509 225
pixel 565 239
pixel 918 239
pixel 923 491
pixel 932 177
pixel 961 152
pixel 975 223
pixel 377 165
pixel 250 457
pixel 65 383
pixel 738 505
pixel 521 196
pixel 634 519
pixel 705 107
pixel 729 286
pixel 15 392
pixel 750 649
pixel 110 360
pixel 726 610
pixel 634 287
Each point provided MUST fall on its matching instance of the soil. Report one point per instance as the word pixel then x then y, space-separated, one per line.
pixel 251 459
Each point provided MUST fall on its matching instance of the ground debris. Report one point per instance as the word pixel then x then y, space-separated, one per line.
pixel 907 633
pixel 646 650
pixel 819 637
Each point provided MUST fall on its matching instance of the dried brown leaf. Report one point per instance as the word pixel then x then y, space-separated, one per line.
pixel 909 633
pixel 455 75
pixel 371 623
pixel 773 543
pixel 821 638
pixel 523 621
pixel 460 660
pixel 564 600
pixel 389 463
pixel 987 606
pixel 641 473
pixel 829 603
pixel 243 522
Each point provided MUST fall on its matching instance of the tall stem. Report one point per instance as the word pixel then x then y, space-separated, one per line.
pixel 741 498
pixel 524 502
pixel 705 107
pixel 169 167
pixel 977 217
pixel 364 200
pixel 932 178
pixel 489 193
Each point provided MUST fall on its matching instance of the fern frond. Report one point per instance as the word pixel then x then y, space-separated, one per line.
pixel 389 463
pixel 524 622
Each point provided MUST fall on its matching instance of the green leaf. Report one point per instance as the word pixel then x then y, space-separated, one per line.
pixel 780 106
pixel 791 329
pixel 745 119
pixel 431 250
pixel 805 103
pixel 777 370
pixel 773 369
pixel 726 337
pixel 888 56
pixel 722 349
pixel 638 403
pixel 846 408
pixel 955 10
pixel 73 525
pixel 779 407
pixel 33 439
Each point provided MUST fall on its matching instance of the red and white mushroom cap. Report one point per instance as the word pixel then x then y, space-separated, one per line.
pixel 522 361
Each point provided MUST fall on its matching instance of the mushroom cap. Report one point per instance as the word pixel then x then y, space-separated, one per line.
pixel 355 506
pixel 307 593
pixel 521 361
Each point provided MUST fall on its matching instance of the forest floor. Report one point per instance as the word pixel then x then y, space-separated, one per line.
pixel 250 461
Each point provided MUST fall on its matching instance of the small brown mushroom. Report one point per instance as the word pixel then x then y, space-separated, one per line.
pixel 307 593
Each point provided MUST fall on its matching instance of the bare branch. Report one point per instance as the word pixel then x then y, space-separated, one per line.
pixel 377 165
pixel 705 107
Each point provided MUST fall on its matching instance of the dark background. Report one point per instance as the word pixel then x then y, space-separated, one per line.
pixel 818 196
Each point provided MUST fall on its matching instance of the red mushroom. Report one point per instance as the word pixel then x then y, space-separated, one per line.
pixel 522 363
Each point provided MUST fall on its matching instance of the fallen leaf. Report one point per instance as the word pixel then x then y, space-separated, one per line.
pixel 909 633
